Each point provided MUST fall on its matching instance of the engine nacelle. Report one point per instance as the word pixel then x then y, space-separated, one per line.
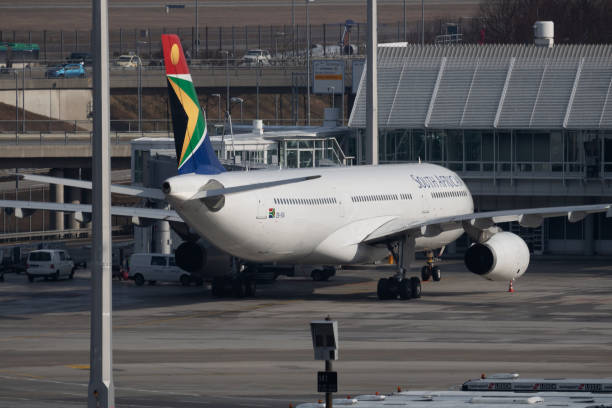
pixel 503 257
pixel 191 257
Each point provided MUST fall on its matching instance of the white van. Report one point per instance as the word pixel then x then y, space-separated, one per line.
pixel 49 263
pixel 151 268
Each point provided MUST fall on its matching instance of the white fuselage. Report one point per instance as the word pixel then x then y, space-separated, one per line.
pixel 321 220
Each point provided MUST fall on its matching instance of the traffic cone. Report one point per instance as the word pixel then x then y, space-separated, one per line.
pixel 510 288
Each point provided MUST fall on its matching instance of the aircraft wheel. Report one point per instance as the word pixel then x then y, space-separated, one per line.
pixel 436 274
pixel 250 287
pixel 425 273
pixel 405 289
pixel 139 279
pixel 415 287
pixel 217 287
pixel 381 289
pixel 238 287
pixel 317 275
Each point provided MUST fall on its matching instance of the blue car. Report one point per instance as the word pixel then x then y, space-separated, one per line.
pixel 66 71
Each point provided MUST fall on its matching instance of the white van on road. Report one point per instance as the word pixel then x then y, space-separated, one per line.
pixel 49 263
pixel 145 267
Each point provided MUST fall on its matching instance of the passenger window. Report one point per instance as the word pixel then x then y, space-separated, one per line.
pixel 158 260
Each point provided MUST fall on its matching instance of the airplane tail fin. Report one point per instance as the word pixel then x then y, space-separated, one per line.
pixel 194 152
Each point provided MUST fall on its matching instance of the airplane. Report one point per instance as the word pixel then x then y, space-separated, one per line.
pixel 335 215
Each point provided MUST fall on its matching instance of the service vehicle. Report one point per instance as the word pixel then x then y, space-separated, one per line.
pixel 154 267
pixel 49 263
pixel 128 61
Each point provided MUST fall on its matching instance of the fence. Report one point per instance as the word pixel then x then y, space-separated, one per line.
pixel 284 40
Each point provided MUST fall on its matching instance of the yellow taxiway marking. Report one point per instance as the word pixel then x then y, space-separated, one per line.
pixel 79 366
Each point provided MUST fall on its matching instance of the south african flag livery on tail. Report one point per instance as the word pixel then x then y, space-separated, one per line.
pixel 194 152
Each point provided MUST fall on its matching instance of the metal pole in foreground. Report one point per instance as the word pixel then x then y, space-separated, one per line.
pixel 422 22
pixel 308 61
pixel 372 88
pixel 101 391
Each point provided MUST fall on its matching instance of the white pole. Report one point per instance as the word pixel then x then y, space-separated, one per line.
pixel 372 88
pixel 101 391
pixel 308 61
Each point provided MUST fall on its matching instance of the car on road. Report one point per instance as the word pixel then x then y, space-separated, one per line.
pixel 128 61
pixel 67 71
pixel 49 263
pixel 80 57
pixel 256 57
pixel 154 267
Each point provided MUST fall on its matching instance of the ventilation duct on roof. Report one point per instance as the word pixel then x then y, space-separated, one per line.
pixel 544 32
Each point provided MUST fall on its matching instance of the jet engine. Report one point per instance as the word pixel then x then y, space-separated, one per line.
pixel 190 257
pixel 202 259
pixel 503 257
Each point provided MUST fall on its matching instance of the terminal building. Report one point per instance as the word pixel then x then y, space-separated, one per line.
pixel 524 126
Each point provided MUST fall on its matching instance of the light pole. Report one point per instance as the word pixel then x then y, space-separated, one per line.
pixel 293 25
pixel 422 22
pixel 236 99
pixel 197 38
pixel 308 59
pixel 405 34
pixel 333 89
pixel 227 83
pixel 218 96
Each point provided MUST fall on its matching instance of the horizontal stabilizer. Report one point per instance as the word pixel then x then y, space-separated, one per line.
pixel 248 187
pixel 135 191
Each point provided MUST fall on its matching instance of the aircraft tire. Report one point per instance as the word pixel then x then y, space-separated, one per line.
pixel 381 289
pixel 405 289
pixel 425 273
pixel 250 287
pixel 238 289
pixel 415 287
pixel 436 274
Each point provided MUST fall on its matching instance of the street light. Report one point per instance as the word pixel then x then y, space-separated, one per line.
pixel 236 99
pixel 333 89
pixel 218 96
pixel 227 96
pixel 308 57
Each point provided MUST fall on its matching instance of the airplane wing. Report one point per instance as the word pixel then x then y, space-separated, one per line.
pixel 135 191
pixel 530 218
pixel 248 187
pixel 135 212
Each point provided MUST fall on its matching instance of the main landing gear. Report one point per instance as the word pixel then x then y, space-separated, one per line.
pixel 399 285
pixel 429 270
pixel 241 283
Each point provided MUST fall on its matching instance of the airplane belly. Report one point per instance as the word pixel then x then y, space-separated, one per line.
pixel 440 240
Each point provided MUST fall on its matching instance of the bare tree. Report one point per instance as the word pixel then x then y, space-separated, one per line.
pixel 576 21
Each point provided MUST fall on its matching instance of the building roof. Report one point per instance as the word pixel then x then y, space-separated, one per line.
pixel 491 86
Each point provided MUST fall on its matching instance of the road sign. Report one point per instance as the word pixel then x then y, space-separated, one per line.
pixel 328 76
pixel 327 381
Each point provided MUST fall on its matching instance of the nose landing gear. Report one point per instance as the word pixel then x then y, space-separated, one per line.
pixel 429 270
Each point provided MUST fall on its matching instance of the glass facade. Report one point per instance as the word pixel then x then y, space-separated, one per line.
pixel 500 153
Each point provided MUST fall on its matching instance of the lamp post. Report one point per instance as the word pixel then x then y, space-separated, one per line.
pixel 197 37
pixel 422 22
pixel 236 99
pixel 333 94
pixel 227 83
pixel 218 96
pixel 308 59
